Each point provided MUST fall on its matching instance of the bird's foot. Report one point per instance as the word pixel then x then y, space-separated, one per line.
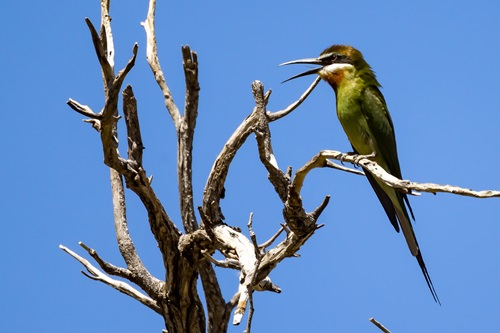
pixel 349 153
pixel 358 157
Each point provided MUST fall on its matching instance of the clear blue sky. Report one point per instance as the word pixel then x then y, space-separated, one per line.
pixel 438 64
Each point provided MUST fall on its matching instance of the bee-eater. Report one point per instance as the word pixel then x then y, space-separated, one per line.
pixel 363 113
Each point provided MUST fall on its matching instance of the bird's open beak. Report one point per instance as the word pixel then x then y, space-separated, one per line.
pixel 309 61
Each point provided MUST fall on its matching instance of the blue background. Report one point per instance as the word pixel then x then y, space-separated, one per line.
pixel 438 63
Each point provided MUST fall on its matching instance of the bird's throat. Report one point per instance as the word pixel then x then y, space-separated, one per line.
pixel 337 74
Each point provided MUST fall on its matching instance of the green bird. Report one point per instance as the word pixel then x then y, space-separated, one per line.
pixel 363 113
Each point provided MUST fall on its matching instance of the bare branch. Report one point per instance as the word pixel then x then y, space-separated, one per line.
pixel 250 315
pixel 110 117
pixel 106 34
pixel 118 81
pixel 106 266
pixel 263 136
pixel 195 241
pixel 272 116
pixel 227 263
pixel 218 311
pixel 112 86
pixel 134 138
pixel 232 240
pixel 102 55
pixel 272 239
pixel 83 109
pixel 251 287
pixel 185 137
pixel 379 325
pixel 267 285
pixel 317 212
pixel 140 275
pixel 215 182
pixel 240 253
pixel 286 249
pixel 118 285
pixel 318 161
pixel 190 64
pixel 154 63
pixel 253 237
pixel 392 181
pixel 332 165
pixel 256 122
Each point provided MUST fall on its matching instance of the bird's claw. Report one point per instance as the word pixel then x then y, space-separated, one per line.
pixel 349 153
pixel 358 157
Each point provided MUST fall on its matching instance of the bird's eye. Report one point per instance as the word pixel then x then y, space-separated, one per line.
pixel 331 57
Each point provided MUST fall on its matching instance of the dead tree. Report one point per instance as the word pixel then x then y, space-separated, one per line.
pixel 187 255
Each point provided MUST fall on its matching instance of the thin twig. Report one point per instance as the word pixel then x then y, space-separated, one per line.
pixel 251 289
pixel 251 311
pixel 253 237
pixel 106 266
pixel 332 165
pixel 118 81
pixel 272 116
pixel 83 109
pixel 379 325
pixel 317 212
pixel 272 239
pixel 227 263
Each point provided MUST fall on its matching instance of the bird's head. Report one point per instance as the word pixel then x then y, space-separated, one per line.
pixel 337 63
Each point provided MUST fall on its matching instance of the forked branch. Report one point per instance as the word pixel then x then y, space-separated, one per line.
pixel 121 286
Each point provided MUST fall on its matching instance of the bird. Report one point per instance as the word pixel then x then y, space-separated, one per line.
pixel 365 118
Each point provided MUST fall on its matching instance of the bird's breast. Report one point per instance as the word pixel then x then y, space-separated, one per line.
pixel 355 125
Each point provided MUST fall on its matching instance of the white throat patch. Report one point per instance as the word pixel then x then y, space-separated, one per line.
pixel 334 67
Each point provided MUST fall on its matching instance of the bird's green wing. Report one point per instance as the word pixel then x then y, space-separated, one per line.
pixel 379 121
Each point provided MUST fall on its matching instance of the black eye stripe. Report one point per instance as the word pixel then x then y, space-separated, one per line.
pixel 333 58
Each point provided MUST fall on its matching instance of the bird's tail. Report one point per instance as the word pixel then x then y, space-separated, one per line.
pixel 427 278
pixel 411 240
pixel 393 202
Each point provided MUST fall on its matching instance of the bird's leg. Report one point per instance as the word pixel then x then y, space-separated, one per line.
pixel 350 153
pixel 358 157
